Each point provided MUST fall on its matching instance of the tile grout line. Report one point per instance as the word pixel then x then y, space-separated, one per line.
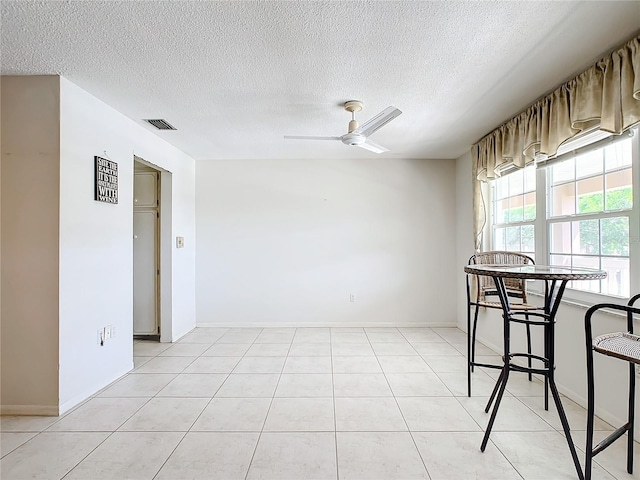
pixel 201 412
pixel 482 429
pixel 197 418
pixel 395 399
pixel 107 437
pixel 333 397
pixel 269 408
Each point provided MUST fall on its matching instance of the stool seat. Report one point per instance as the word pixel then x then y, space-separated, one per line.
pixel 623 345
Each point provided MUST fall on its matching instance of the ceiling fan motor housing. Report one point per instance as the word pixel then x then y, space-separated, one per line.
pixel 353 139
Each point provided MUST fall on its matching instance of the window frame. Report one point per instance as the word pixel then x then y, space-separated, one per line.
pixel 543 221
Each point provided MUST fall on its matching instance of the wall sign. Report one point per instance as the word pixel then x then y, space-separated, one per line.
pixel 106 180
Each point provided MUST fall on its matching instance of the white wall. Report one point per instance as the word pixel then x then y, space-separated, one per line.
pixel 464 235
pixel 611 375
pixel 96 241
pixel 30 191
pixel 285 242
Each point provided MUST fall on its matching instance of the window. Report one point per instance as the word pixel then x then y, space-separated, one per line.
pixel 590 203
pixel 514 211
pixel 591 207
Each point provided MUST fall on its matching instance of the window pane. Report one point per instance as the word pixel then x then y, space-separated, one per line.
pixel 563 172
pixel 560 237
pixel 502 211
pixel 502 188
pixel 560 260
pixel 617 281
pixel 530 179
pixel 618 190
pixel 516 182
pixel 589 163
pixel 515 209
pixel 586 237
pixel 590 197
pixel 618 155
pixel 564 200
pixel 615 236
pixel 512 239
pixel 528 239
pixel 530 206
pixel 586 262
pixel 498 239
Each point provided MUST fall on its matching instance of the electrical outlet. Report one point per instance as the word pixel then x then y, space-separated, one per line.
pixel 107 333
pixel 352 298
pixel 179 242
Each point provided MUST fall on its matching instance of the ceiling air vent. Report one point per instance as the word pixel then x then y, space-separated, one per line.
pixel 160 123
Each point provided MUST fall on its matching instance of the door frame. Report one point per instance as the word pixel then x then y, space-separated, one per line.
pixel 165 250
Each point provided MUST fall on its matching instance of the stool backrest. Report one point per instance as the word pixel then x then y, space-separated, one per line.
pixel 485 285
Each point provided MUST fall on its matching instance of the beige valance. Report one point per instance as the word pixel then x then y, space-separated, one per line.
pixel 606 96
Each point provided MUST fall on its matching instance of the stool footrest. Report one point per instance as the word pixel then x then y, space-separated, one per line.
pixel 610 439
pixel 486 365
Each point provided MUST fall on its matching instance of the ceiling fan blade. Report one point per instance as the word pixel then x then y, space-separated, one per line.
pixel 305 137
pixel 379 121
pixel 373 147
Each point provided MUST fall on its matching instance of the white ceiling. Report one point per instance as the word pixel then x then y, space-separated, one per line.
pixel 234 77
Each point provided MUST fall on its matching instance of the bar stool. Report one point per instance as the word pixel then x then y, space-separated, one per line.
pixel 622 345
pixel 485 289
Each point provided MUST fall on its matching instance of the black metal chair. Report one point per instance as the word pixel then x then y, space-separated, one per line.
pixel 622 345
pixel 485 287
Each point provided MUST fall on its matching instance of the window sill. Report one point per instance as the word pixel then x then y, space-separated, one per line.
pixel 585 300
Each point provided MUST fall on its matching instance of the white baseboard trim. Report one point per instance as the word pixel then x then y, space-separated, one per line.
pixel 78 399
pixel 602 414
pixel 571 395
pixel 182 334
pixel 326 325
pixel 32 410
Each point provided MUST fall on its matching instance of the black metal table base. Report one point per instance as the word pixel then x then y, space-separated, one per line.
pixel 553 294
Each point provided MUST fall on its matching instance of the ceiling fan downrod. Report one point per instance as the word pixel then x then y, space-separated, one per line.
pixel 353 106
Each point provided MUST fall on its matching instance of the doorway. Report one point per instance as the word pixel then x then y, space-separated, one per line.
pixel 146 251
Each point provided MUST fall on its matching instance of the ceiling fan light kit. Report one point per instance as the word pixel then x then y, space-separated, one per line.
pixel 357 135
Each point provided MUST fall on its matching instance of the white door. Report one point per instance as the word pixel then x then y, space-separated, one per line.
pixel 145 254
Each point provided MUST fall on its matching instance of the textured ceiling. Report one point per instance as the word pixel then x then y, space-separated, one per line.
pixel 234 77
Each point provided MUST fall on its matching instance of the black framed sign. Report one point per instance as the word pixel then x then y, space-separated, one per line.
pixel 106 180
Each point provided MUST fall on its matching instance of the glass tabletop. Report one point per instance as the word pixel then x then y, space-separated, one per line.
pixel 536 272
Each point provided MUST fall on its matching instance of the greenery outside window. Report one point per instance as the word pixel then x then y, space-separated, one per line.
pixel 590 204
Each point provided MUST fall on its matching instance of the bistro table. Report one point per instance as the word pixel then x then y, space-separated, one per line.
pixel 555 279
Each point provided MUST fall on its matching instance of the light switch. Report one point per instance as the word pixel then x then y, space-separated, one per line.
pixel 179 242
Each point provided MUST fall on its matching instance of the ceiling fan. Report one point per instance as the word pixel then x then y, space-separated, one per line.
pixel 358 135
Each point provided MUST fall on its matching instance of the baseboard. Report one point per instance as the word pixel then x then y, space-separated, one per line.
pixel 31 410
pixel 326 325
pixel 177 337
pixel 78 399
pixel 571 395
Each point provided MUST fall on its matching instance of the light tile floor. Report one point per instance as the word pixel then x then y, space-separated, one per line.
pixel 306 403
